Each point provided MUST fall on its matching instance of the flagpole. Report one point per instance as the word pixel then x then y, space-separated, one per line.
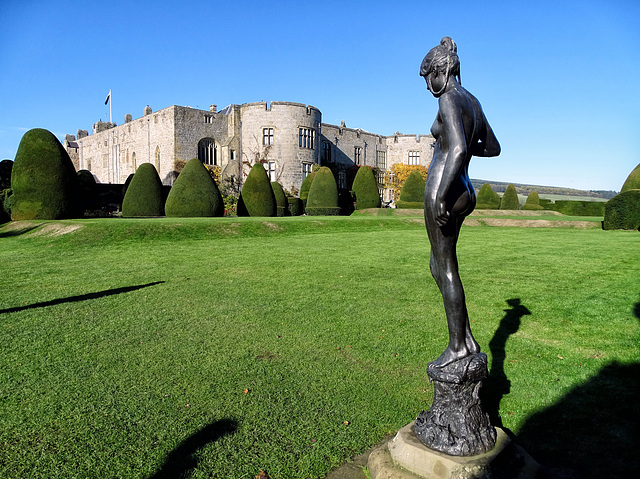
pixel 110 102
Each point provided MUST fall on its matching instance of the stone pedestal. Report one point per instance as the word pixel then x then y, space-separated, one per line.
pixel 456 424
pixel 405 457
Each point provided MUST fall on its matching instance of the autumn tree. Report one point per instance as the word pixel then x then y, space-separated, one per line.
pixel 399 173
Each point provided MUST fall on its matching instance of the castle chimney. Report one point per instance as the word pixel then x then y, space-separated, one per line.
pixel 213 108
pixel 147 110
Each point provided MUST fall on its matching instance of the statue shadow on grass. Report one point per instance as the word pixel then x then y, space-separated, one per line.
pixel 497 385
pixel 81 297
pixel 182 460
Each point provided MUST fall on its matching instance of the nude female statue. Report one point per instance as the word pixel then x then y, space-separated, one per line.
pixel 461 131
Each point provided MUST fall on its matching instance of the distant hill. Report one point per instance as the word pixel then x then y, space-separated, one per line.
pixel 500 187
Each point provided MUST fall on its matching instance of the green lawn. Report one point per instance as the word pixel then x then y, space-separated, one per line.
pixel 152 348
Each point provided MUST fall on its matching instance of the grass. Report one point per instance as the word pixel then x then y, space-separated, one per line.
pixel 221 347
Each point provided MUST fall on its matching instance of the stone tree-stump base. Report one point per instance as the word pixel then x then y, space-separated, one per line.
pixel 456 424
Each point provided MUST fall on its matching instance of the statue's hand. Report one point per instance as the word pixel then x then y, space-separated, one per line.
pixel 442 215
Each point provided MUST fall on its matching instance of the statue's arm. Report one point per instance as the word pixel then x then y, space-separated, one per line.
pixel 488 143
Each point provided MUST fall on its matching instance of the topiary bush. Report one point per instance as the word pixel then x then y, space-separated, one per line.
pixel 623 211
pixel 88 193
pixel 533 202
pixel 365 189
pixel 296 207
pixel 487 199
pixel 633 180
pixel 43 179
pixel 256 197
pixel 282 205
pixel 509 199
pixel 323 195
pixel 144 194
pixel 194 193
pixel 577 208
pixel 306 185
pixel 412 192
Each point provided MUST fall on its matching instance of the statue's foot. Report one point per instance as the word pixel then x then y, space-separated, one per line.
pixel 449 356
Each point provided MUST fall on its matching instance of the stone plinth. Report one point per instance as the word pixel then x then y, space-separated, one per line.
pixel 405 457
pixel 456 424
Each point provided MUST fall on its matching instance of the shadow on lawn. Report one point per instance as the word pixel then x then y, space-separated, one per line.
pixel 497 385
pixel 82 297
pixel 183 459
pixel 19 231
pixel 592 431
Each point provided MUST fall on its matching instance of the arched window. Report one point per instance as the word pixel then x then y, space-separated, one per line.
pixel 208 152
pixel 158 159
pixel 133 160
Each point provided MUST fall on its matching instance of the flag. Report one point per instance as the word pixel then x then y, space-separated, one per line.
pixel 108 98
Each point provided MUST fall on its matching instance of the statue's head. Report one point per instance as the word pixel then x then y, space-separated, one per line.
pixel 442 59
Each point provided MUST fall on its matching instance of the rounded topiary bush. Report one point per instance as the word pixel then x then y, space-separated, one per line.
pixel 257 195
pixel 282 205
pixel 43 179
pixel 365 189
pixel 510 200
pixel 487 199
pixel 323 195
pixel 412 192
pixel 633 180
pixel 623 211
pixel 295 206
pixel 144 194
pixel 533 202
pixel 306 186
pixel 194 193
pixel 88 191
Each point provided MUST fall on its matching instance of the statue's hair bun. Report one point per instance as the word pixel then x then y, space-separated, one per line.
pixel 449 44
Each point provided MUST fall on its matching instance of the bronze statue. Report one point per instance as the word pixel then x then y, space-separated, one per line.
pixel 461 131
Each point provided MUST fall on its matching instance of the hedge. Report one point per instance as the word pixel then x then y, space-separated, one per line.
pixel 509 199
pixel 194 193
pixel 256 197
pixel 43 179
pixel 365 189
pixel 323 195
pixel 577 208
pixel 633 180
pixel 88 191
pixel 487 199
pixel 623 211
pixel 144 194
pixel 532 202
pixel 295 206
pixel 282 205
pixel 412 193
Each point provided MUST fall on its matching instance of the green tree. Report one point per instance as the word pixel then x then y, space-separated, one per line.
pixel 509 199
pixel 256 197
pixel 144 194
pixel 194 193
pixel 282 204
pixel 532 202
pixel 43 179
pixel 412 193
pixel 365 187
pixel 323 195
pixel 487 199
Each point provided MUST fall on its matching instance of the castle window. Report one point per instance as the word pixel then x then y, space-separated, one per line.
pixel 326 151
pixel 270 167
pixel 306 169
pixel 267 136
pixel 306 138
pixel 342 179
pixel 381 160
pixel 208 152
pixel 414 158
pixel 357 155
pixel 208 119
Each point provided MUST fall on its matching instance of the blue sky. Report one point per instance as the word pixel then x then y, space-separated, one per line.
pixel 558 80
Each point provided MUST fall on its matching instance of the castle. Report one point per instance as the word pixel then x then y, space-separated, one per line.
pixel 289 137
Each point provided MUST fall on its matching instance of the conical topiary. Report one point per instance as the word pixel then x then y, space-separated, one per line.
pixel 144 194
pixel 194 193
pixel 282 205
pixel 487 199
pixel 323 195
pixel 257 195
pixel 532 202
pixel 510 200
pixel 306 185
pixel 365 188
pixel 43 179
pixel 412 192
pixel 633 180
